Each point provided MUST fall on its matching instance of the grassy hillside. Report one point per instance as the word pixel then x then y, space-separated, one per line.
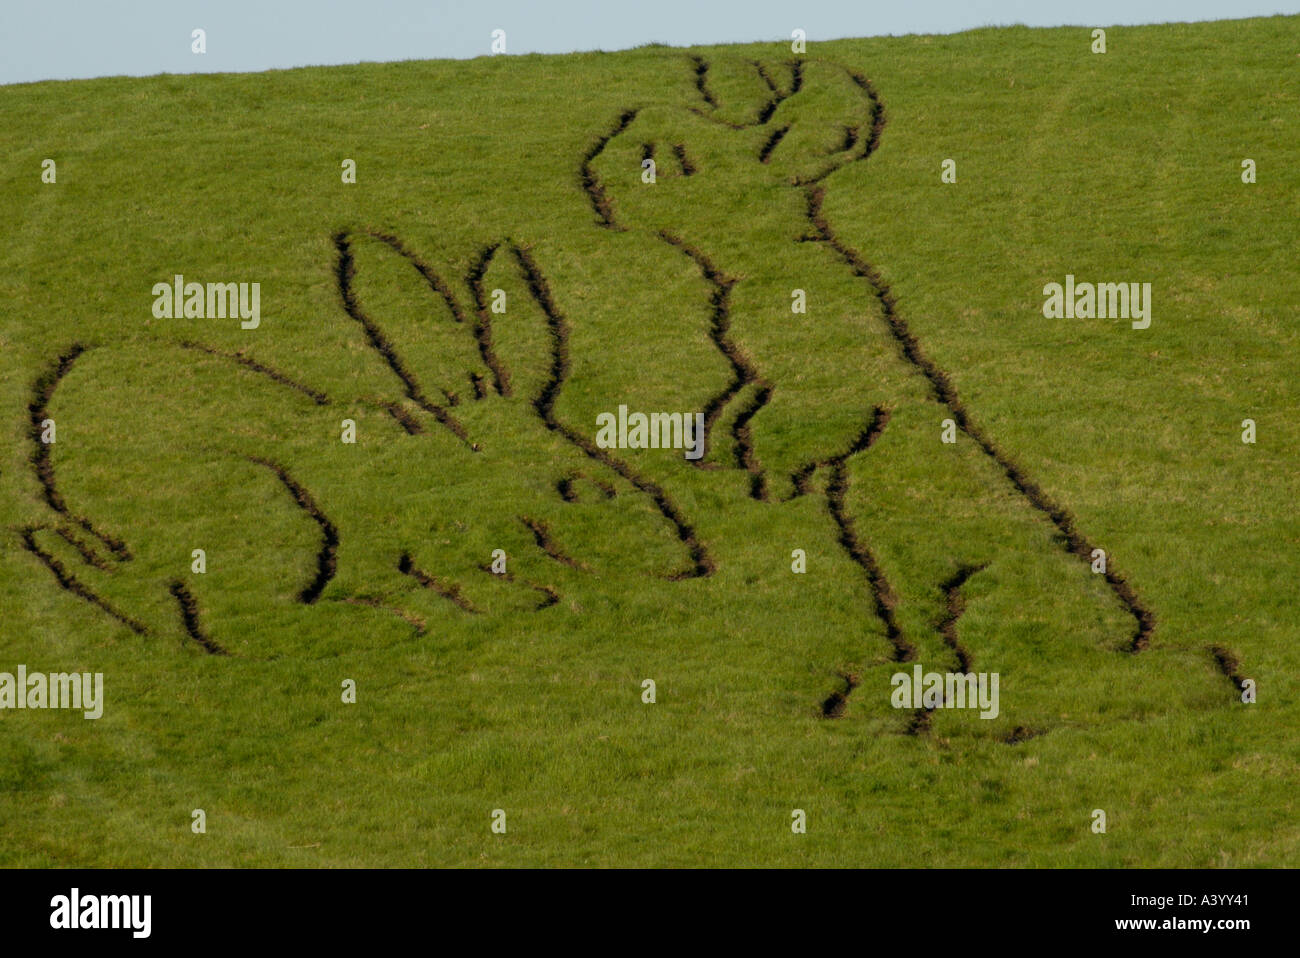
pixel 476 431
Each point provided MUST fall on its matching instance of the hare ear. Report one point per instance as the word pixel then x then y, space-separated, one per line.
pixel 736 92
pixel 411 317
pixel 829 121
pixel 522 336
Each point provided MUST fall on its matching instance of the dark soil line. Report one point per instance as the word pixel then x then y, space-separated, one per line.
pixel 796 83
pixel 882 594
pixel 412 620
pixel 327 557
pixel 745 444
pixel 878 117
pixel 345 272
pixel 742 369
pixel 448 590
pixel 565 487
pixel 114 544
pixel 549 596
pixel 74 585
pixel 802 480
pixel 944 391
pixel 838 700
pixel 404 418
pixel 883 598
pixel 836 491
pixel 542 535
pixel 864 440
pixel 190 618
pixel 480 387
pixel 87 551
pixel 702 81
pixel 434 281
pixel 318 397
pixel 544 403
pixel 955 605
pixel 591 184
pixel 1229 665
pixel 42 394
pixel 684 161
pixel 483 327
pixel 765 154
pixel 852 135
pixel 1022 733
pixel 920 722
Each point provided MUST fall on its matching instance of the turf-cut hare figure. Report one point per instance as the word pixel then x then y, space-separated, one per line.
pixel 218 496
pixel 737 187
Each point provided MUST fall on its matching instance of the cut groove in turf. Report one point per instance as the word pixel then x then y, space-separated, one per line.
pixel 954 606
pixel 569 493
pixel 591 184
pixel 877 113
pixel 404 418
pixel 765 154
pixel 549 596
pixel 87 551
pixel 837 701
pixel 745 443
pixel 743 371
pixel 448 590
pixel 190 618
pixel 684 161
pixel 318 397
pixel 542 535
pixel 345 272
pixel 1229 665
pixel 327 557
pixel 865 439
pixel 42 394
pixel 1022 733
pixel 945 393
pixel 768 108
pixel 74 585
pixel 702 81
pixel 920 722
pixel 852 135
pixel 483 325
pixel 544 404
pixel 434 281
pixel 882 595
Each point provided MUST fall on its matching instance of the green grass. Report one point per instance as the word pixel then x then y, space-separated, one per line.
pixel 1116 167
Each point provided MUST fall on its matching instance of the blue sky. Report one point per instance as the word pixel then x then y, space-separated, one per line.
pixel 57 39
